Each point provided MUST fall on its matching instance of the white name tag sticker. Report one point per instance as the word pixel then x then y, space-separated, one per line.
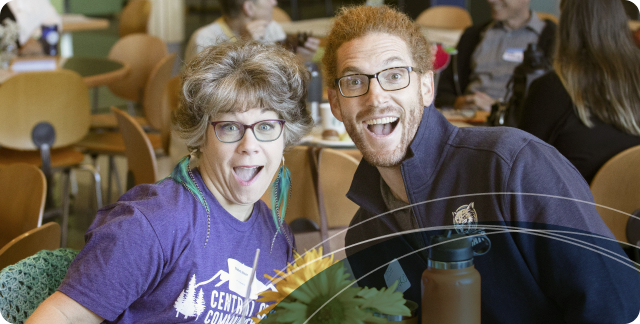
pixel 513 55
pixel 395 273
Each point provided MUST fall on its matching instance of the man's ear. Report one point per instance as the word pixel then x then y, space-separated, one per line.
pixel 333 102
pixel 426 86
pixel 248 8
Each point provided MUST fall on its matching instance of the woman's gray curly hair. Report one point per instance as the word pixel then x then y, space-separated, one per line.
pixel 236 77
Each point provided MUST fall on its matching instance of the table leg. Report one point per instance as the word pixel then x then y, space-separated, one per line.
pixel 94 104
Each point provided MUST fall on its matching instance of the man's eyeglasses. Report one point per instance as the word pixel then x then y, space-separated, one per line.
pixel 392 79
pixel 264 130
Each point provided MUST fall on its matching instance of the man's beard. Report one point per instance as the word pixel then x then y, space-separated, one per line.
pixel 410 123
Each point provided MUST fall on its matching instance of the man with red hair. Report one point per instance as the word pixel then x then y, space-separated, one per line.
pixel 543 252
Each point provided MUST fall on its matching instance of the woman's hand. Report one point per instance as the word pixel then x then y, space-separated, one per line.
pixel 309 49
pixel 31 48
pixel 60 308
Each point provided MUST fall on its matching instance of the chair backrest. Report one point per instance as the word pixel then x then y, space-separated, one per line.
pixel 616 186
pixel 546 15
pixel 280 15
pixel 26 284
pixel 153 94
pixel 170 102
pixel 59 97
pixel 303 201
pixel 448 17
pixel 141 159
pixel 134 17
pixel 141 52
pixel 23 190
pixel 45 237
pixel 335 172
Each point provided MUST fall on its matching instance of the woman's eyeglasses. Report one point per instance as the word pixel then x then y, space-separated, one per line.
pixel 264 130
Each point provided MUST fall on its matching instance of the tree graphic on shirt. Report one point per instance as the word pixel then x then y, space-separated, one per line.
pixel 178 304
pixel 199 307
pixel 186 303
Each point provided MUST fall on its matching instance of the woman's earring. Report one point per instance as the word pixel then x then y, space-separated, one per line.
pixel 280 192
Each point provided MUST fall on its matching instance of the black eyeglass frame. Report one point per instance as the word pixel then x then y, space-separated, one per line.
pixel 371 76
pixel 245 127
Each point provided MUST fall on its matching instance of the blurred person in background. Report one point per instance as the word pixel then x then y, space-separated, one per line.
pixel 488 54
pixel 181 250
pixel 245 19
pixel 30 15
pixel 589 108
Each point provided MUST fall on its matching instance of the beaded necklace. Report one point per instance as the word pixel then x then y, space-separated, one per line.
pixel 204 201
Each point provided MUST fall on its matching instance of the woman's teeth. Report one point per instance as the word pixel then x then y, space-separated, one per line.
pixel 382 126
pixel 246 174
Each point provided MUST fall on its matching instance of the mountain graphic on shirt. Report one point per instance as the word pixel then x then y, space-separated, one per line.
pixel 191 301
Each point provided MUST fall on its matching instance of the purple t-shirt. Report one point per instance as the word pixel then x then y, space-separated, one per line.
pixel 145 259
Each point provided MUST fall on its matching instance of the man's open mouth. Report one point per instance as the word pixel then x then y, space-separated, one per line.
pixel 247 173
pixel 382 126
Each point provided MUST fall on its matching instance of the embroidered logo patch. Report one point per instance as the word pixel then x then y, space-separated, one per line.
pixel 465 219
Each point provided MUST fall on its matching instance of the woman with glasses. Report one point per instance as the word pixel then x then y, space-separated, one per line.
pixel 183 249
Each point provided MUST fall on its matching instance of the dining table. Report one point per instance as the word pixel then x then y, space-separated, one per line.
pixel 77 22
pixel 320 28
pixel 95 71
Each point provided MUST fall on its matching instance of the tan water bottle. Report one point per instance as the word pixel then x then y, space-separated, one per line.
pixel 451 284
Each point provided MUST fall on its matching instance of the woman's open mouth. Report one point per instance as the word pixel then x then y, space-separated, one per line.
pixel 382 126
pixel 247 174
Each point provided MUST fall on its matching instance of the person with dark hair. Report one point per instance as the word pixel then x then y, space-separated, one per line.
pixel 245 19
pixel 544 253
pixel 182 250
pixel 589 107
pixel 488 54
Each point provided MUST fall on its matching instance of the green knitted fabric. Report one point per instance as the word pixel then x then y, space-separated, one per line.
pixel 26 284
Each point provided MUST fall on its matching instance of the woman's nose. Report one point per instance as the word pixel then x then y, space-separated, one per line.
pixel 249 143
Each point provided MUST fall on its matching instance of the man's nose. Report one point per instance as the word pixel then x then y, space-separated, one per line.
pixel 376 94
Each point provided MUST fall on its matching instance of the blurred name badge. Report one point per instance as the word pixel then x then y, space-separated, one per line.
pixel 395 273
pixel 34 64
pixel 515 55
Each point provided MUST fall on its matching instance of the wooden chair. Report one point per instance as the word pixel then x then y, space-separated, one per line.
pixel 157 115
pixel 303 202
pixel 447 17
pixel 141 158
pixel 42 115
pixel 335 172
pixel 616 186
pixel 134 17
pixel 142 52
pixel 169 103
pixel 546 15
pixel 45 237
pixel 24 190
pixel 280 15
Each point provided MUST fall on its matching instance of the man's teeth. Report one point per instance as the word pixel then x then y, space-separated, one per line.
pixel 385 120
pixel 246 174
pixel 381 126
